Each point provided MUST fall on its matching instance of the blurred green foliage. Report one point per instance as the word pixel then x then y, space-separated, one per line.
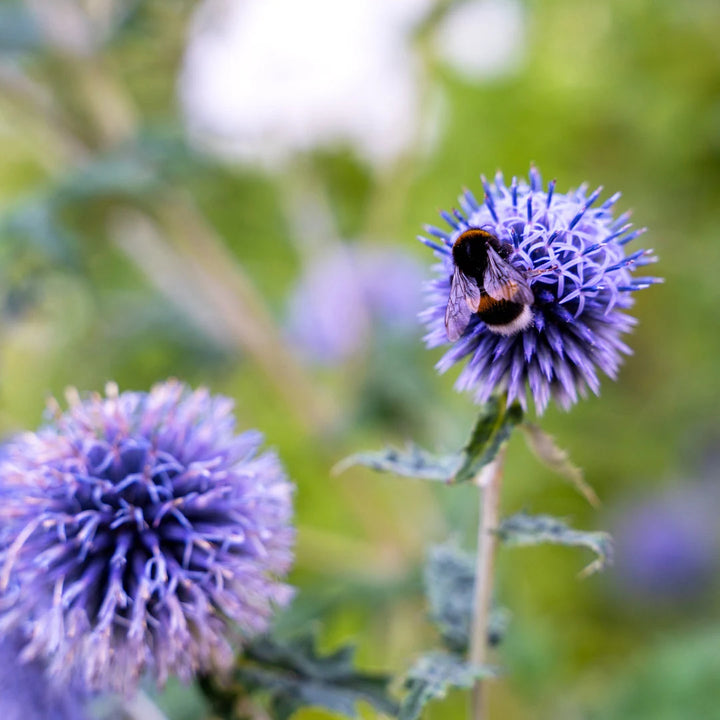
pixel 127 255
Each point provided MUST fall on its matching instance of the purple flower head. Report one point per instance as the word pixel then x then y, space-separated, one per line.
pixel 573 257
pixel 344 295
pixel 134 528
pixel 25 691
pixel 667 546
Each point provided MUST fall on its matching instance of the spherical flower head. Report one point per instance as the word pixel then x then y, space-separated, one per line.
pixel 667 546
pixel 137 531
pixel 26 693
pixel 348 294
pixel 572 256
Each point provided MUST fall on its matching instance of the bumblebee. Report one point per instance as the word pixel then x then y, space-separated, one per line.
pixel 484 282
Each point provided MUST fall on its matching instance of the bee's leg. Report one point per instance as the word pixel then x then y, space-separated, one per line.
pixel 540 271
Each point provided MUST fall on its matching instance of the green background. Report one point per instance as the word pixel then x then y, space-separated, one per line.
pixel 622 93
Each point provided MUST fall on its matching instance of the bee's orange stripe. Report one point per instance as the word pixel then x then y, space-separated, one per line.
pixel 486 302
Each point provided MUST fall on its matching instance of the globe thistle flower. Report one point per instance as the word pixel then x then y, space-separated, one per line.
pixel 26 693
pixel 573 258
pixel 134 529
pixel 667 545
pixel 350 293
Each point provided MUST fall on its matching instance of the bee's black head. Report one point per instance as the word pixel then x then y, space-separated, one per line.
pixel 470 251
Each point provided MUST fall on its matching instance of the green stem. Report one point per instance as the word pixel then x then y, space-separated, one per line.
pixel 489 481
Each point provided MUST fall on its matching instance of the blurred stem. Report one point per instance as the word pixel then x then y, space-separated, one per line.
pixel 112 118
pixel 109 109
pixel 38 109
pixel 231 292
pixel 490 483
pixel 197 272
pixel 394 184
pixel 309 210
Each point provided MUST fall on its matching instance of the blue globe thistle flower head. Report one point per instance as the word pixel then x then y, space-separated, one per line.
pixel 667 545
pixel 572 255
pixel 139 532
pixel 349 294
pixel 26 692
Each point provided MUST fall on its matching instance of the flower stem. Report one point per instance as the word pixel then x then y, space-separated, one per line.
pixel 489 482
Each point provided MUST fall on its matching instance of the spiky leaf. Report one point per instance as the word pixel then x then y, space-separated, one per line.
pixel 432 676
pixel 449 580
pixel 523 529
pixel 449 584
pixel 295 674
pixel 557 459
pixel 491 431
pixel 411 462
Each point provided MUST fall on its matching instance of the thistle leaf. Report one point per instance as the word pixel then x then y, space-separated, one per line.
pixel 295 675
pixel 491 431
pixel 523 529
pixel 449 580
pixel 432 676
pixel 544 448
pixel 411 462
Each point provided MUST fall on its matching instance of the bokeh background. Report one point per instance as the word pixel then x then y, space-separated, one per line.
pixel 230 191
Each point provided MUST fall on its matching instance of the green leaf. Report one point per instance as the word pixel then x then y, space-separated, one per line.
pixel 449 586
pixel 545 450
pixel 432 676
pixel 486 425
pixel 296 675
pixel 491 431
pixel 449 580
pixel 34 224
pixel 19 32
pixel 523 529
pixel 144 164
pixel 412 462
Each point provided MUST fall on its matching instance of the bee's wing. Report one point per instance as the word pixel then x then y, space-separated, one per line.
pixel 462 303
pixel 503 282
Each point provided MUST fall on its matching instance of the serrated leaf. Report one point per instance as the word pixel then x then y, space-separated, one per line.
pixel 449 580
pixel 296 675
pixel 523 529
pixel 491 431
pixel 411 462
pixel 432 676
pixel 544 448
